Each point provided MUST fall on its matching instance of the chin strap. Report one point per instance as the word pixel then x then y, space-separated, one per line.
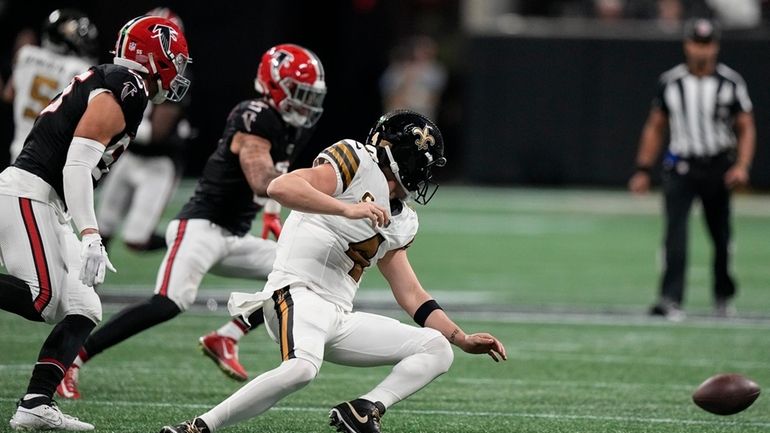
pixel 394 169
pixel 160 96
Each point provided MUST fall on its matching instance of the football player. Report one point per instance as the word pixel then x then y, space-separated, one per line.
pixel 350 212
pixel 69 40
pixel 73 143
pixel 211 232
pixel 138 189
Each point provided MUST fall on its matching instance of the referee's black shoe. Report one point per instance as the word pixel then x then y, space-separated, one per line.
pixel 357 416
pixel 668 309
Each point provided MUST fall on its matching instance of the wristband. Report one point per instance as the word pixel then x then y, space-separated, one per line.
pixel 422 313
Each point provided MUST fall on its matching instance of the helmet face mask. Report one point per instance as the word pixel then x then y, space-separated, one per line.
pixel 292 77
pixel 179 85
pixel 410 145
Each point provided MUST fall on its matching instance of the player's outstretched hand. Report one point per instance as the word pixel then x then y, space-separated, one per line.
pixel 367 209
pixel 484 343
pixel 93 260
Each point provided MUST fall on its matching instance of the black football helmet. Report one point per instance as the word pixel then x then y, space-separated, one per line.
pixel 410 145
pixel 69 31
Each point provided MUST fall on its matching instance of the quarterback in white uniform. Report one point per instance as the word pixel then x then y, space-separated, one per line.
pixel 40 73
pixel 349 213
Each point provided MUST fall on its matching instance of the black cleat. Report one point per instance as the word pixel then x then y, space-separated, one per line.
pixel 668 309
pixel 195 426
pixel 357 416
pixel 156 242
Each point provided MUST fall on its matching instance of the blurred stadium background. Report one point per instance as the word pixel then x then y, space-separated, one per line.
pixel 532 233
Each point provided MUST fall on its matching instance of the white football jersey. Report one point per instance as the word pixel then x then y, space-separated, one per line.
pixel 331 253
pixel 38 76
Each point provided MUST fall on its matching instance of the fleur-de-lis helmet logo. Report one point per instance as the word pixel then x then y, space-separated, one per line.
pixel 424 137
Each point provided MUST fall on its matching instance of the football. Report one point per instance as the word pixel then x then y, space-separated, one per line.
pixel 726 394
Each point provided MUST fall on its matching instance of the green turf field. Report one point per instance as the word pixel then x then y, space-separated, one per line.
pixel 562 277
pixel 588 250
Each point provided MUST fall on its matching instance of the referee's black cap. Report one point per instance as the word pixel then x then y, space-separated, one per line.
pixel 701 30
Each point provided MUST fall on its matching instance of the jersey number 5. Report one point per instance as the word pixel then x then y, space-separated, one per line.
pixel 54 105
pixel 362 253
pixel 37 94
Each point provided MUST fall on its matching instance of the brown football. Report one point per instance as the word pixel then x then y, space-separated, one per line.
pixel 726 394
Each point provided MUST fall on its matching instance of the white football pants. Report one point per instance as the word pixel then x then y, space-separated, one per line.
pixel 38 245
pixel 310 329
pixel 137 189
pixel 197 246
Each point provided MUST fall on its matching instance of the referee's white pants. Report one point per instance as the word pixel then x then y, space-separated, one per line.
pixel 310 329
pixel 197 247
pixel 38 245
pixel 137 189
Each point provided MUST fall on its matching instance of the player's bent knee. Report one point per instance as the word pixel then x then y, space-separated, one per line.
pixel 93 313
pixel 89 306
pixel 301 372
pixel 164 308
pixel 442 351
pixel 182 302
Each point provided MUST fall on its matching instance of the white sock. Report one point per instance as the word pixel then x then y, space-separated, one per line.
pixel 261 393
pixel 413 373
pixel 232 330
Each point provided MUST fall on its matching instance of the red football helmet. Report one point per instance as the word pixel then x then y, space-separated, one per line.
pixel 155 46
pixel 292 78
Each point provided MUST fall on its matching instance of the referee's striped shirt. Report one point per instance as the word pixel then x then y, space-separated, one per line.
pixel 701 110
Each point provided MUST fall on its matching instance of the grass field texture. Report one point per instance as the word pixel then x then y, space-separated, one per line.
pixel 563 278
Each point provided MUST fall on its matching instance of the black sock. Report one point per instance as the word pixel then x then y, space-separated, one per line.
pixel 255 319
pixel 34 402
pixel 201 425
pixel 16 297
pixel 57 353
pixel 131 321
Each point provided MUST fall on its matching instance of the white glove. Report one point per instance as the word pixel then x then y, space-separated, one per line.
pixel 93 260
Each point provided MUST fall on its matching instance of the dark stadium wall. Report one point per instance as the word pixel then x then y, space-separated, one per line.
pixel 569 111
pixel 517 110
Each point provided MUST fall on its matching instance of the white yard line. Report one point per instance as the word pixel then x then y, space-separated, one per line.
pixel 140 368
pixel 480 306
pixel 452 413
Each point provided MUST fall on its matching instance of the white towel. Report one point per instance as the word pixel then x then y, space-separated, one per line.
pixel 243 304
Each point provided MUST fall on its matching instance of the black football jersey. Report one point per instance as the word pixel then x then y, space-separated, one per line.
pixel 45 149
pixel 223 195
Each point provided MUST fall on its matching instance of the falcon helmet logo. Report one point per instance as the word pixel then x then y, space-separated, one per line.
pixel 248 117
pixel 424 139
pixel 165 35
pixel 129 89
pixel 280 58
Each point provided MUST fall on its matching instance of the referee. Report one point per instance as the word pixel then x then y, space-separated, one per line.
pixel 706 108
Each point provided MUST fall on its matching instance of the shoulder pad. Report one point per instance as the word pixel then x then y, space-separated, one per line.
pixel 346 155
pixel 255 117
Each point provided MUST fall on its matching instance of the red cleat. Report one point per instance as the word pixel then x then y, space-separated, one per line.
pixel 68 387
pixel 224 352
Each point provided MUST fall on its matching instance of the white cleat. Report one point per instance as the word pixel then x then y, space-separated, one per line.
pixel 46 417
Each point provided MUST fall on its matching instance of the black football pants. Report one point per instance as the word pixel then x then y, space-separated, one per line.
pixel 682 183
